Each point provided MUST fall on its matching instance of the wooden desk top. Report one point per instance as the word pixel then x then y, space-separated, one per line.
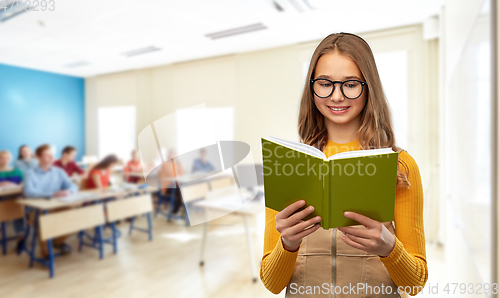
pixel 11 190
pixel 93 195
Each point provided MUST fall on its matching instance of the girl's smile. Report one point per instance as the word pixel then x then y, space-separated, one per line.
pixel 339 109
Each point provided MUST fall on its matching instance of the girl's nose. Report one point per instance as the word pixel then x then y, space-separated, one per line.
pixel 337 95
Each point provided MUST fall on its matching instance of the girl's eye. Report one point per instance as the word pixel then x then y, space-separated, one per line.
pixel 326 85
pixel 351 85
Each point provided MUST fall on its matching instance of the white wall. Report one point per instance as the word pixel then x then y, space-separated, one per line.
pixel 458 21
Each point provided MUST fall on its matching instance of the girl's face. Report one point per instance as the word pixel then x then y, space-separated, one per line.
pixel 135 156
pixel 4 160
pixel 26 152
pixel 337 67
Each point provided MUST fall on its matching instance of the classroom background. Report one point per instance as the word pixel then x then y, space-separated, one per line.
pixel 89 76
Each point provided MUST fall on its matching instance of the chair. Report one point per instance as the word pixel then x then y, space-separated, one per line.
pixel 84 182
pixel 130 207
pixel 74 220
pixel 9 210
pixel 163 199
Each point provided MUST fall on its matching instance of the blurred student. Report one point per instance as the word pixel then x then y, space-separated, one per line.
pixel 25 160
pixel 133 166
pixel 67 162
pixel 99 175
pixel 46 181
pixel 201 164
pixel 10 177
pixel 169 170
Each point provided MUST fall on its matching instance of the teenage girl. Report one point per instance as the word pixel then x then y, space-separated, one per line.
pixel 99 175
pixel 25 160
pixel 343 107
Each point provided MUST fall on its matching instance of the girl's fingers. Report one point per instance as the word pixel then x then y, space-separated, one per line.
pixel 305 232
pixel 364 220
pixel 290 209
pixel 304 224
pixel 297 217
pixel 357 232
pixel 362 241
pixel 352 243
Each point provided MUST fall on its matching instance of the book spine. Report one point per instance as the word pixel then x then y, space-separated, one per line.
pixel 326 195
pixel 324 203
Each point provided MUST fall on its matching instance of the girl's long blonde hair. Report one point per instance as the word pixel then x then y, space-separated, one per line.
pixel 375 130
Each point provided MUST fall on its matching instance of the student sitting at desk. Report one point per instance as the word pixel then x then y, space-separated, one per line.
pixel 47 181
pixel 67 161
pixel 9 177
pixel 99 175
pixel 133 166
pixel 201 164
pixel 168 170
pixel 25 160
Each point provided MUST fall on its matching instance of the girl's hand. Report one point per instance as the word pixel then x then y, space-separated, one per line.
pixel 291 226
pixel 375 239
pixel 61 193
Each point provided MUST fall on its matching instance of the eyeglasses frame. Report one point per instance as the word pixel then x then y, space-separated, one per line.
pixel 311 81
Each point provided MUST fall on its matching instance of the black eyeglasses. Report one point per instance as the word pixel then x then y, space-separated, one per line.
pixel 324 88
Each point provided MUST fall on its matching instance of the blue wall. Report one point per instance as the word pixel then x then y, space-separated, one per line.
pixel 39 107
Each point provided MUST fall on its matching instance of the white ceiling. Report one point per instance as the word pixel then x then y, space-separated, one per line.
pixel 100 31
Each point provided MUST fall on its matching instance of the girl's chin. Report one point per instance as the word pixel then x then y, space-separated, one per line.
pixel 339 120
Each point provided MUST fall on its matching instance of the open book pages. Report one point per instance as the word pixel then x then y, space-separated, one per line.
pixel 310 150
pixel 119 188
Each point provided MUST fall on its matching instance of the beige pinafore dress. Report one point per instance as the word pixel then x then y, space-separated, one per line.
pixel 327 267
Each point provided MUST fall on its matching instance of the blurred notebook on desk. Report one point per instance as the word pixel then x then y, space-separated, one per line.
pixel 79 196
pixel 362 181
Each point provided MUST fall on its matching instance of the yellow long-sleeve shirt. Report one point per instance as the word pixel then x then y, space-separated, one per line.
pixel 406 264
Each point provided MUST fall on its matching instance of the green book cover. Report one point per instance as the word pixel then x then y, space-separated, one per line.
pixel 362 181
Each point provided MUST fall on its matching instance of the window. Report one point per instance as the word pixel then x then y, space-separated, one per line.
pixel 393 71
pixel 222 123
pixel 116 131
pixel 211 125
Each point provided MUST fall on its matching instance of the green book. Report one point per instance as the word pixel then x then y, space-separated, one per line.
pixel 362 181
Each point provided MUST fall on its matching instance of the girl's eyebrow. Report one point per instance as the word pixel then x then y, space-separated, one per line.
pixel 345 78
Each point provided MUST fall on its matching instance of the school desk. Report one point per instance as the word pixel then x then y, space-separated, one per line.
pixel 9 211
pixel 82 214
pixel 10 190
pixel 186 179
